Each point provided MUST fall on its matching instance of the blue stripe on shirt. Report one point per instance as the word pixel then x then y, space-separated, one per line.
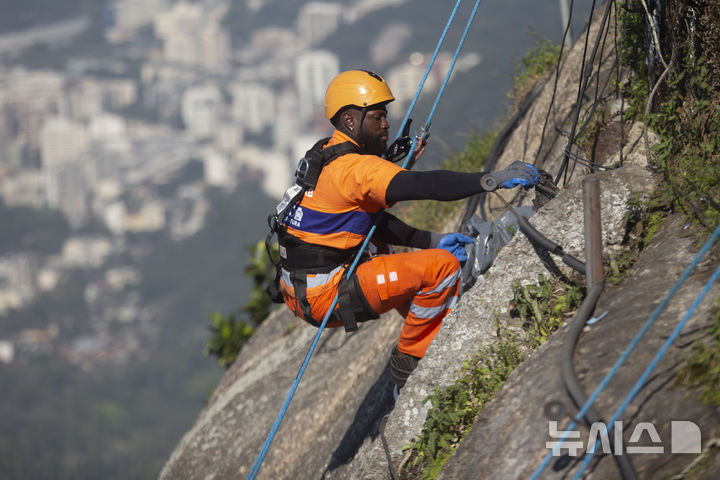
pixel 322 223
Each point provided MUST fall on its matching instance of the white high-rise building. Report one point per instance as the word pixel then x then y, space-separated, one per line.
pixel 62 141
pixel 318 20
pixel 216 47
pixel 27 98
pixel 277 173
pixel 179 30
pixel 287 123
pixel 64 147
pixel 253 106
pixel 66 190
pixel 313 71
pixel 194 36
pixel 20 271
pixel 127 16
pixel 217 169
pixel 201 110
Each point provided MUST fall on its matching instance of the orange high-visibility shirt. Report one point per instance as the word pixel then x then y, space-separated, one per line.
pixel 348 195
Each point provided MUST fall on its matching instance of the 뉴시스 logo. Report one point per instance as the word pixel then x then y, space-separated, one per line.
pixel 684 438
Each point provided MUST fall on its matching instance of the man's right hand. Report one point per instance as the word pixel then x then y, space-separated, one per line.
pixel 517 174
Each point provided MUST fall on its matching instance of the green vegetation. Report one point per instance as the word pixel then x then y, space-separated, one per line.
pixel 643 219
pixel 631 53
pixel 702 366
pixel 535 64
pixel 545 306
pixel 262 272
pixel 453 409
pixel 685 112
pixel 229 333
pixel 688 121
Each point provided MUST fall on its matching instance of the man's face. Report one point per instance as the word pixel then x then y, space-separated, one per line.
pixel 374 132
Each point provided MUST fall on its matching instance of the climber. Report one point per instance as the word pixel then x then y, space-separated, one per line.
pixel 348 183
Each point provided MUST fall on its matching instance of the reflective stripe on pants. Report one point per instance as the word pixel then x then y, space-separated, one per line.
pixel 423 286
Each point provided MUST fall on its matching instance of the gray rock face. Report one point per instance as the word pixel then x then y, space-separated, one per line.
pixel 343 393
pixel 508 439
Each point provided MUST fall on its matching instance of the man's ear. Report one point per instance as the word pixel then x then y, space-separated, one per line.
pixel 348 121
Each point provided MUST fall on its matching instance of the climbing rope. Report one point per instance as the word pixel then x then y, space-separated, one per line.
pixel 281 414
pixel 634 343
pixel 658 356
pixel 421 85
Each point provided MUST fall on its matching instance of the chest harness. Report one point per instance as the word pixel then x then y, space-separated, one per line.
pixel 301 258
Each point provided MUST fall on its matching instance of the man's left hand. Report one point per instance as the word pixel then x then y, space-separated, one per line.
pixel 455 244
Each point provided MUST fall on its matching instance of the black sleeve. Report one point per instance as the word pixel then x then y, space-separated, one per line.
pixel 433 185
pixel 394 231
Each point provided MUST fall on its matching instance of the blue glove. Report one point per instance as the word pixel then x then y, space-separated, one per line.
pixel 455 244
pixel 517 173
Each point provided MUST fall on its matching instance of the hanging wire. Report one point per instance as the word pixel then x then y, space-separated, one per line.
pixel 554 92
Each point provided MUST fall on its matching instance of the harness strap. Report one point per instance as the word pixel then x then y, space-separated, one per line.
pixel 352 307
pixel 311 165
pixel 297 254
pixel 299 280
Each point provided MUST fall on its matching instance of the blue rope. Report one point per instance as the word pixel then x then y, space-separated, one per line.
pixel 641 381
pixel 635 341
pixel 429 67
pixel 452 65
pixel 283 410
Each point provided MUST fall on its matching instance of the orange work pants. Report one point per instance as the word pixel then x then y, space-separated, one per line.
pixel 422 285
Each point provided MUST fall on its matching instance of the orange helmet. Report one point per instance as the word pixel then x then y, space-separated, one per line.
pixel 360 88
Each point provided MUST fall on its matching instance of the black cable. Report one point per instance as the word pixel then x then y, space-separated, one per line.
pixel 585 162
pixel 587 68
pixel 577 394
pixel 555 84
pixel 619 88
pixel 393 473
pixel 496 150
pixel 545 243
pixel 580 92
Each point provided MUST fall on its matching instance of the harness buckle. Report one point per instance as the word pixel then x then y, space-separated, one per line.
pixel 302 169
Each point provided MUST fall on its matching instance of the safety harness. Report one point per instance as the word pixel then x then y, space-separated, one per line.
pixel 301 258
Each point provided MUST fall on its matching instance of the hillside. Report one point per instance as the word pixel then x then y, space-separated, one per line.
pixel 654 220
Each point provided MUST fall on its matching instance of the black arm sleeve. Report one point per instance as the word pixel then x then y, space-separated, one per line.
pixel 433 185
pixel 393 231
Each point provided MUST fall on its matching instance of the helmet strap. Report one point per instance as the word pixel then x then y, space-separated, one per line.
pixel 359 136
